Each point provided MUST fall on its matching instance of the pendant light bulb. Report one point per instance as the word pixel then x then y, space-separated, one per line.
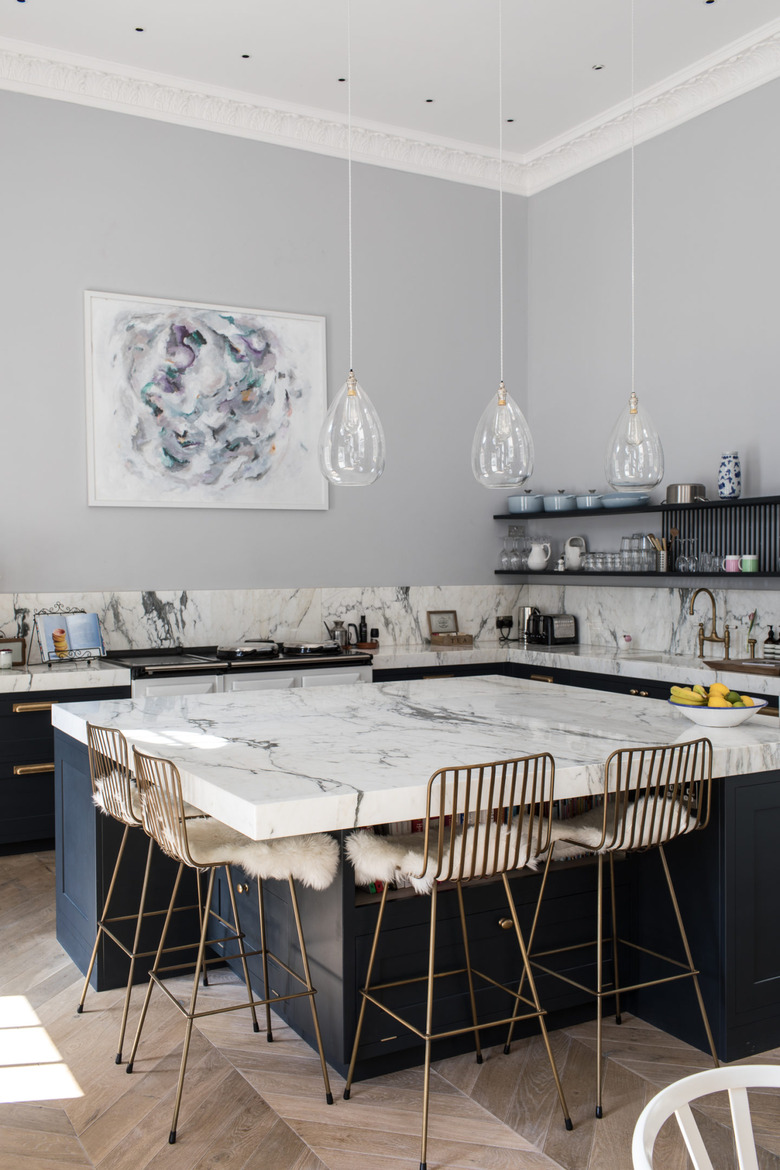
pixel 352 441
pixel 502 453
pixel 634 459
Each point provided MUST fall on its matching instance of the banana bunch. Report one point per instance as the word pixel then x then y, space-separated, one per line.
pixel 691 696
pixel 718 695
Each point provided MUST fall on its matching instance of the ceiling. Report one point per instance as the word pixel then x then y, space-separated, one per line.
pixel 288 55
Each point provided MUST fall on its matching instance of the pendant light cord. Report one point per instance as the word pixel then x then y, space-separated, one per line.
pixel 349 166
pixel 633 207
pixel 501 190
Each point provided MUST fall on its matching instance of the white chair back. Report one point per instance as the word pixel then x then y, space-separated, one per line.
pixel 676 1099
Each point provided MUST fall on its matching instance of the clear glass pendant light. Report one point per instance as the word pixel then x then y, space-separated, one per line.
pixel 634 458
pixel 352 441
pixel 502 451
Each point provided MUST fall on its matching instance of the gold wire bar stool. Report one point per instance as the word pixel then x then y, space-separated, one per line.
pixel 651 796
pixel 207 844
pixel 115 793
pixel 481 821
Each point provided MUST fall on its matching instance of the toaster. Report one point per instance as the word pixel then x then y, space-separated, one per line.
pixel 553 629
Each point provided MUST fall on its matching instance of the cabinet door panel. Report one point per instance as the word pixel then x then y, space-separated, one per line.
pixel 756 876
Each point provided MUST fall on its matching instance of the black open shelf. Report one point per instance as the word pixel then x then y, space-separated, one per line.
pixel 724 527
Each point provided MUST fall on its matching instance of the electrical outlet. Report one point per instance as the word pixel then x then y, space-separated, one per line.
pixel 517 529
pixel 504 623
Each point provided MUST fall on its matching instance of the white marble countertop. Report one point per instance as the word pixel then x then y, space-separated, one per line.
pixel 651 665
pixel 63 676
pixel 278 763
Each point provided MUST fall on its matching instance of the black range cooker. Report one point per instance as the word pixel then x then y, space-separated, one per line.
pixel 181 661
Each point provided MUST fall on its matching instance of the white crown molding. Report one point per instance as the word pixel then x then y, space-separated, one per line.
pixel 746 65
pixel 43 72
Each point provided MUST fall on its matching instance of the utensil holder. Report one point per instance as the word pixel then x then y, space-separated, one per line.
pixel 661 562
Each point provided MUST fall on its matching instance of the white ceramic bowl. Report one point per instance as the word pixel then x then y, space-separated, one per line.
pixel 719 716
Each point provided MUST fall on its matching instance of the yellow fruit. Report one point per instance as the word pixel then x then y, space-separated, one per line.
pixel 746 699
pixel 700 690
pixel 718 689
pixel 717 701
pixel 685 695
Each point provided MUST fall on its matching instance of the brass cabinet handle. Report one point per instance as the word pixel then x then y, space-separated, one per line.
pixel 242 888
pixel 633 691
pixel 31 769
pixel 541 678
pixel 506 924
pixel 644 694
pixel 28 708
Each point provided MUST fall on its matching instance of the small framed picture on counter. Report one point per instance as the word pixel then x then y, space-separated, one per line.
pixel 442 621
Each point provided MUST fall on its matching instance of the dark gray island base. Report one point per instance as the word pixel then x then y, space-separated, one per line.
pixel 727 878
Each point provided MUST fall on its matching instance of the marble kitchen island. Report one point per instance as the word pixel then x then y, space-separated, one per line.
pixel 329 759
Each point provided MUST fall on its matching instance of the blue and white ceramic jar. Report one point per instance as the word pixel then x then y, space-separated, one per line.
pixel 730 476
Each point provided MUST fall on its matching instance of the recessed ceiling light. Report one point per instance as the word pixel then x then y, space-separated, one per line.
pixel 429 101
pixel 139 30
pixel 597 67
pixel 510 119
pixel 342 79
pixel 244 56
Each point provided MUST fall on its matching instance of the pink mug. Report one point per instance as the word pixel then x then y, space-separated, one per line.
pixel 733 564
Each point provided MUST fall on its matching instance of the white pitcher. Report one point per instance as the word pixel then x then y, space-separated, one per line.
pixel 539 556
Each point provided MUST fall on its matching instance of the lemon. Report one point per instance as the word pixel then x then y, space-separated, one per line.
pixel 718 689
pixel 747 701
pixel 718 701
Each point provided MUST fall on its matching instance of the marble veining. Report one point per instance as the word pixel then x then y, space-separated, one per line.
pixel 281 763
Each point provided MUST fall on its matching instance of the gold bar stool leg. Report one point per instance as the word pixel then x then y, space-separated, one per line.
pixel 537 1005
pixel 689 957
pixel 307 973
pixel 464 932
pixel 240 937
pixel 155 965
pixel 264 948
pixel 531 938
pixel 193 1001
pixel 363 1000
pixel 201 912
pixel 429 1028
pixel 599 978
pixel 103 915
pixel 136 945
pixel 618 1017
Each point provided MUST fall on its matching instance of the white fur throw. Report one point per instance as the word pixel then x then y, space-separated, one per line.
pixel 311 860
pixel 99 799
pixel 400 859
pixel 582 834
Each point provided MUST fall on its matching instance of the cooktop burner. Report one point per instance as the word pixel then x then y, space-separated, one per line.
pixel 248 651
pixel 314 648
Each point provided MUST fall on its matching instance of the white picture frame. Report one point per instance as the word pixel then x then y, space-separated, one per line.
pixel 193 405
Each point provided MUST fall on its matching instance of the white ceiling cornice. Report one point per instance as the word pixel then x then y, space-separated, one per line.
pixel 742 66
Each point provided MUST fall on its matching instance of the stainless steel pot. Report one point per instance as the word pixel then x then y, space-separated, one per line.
pixel 685 493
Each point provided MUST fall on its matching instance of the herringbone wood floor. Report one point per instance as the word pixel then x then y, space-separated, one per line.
pixel 249 1105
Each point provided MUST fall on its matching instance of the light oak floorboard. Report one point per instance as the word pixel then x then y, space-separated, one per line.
pixel 250 1105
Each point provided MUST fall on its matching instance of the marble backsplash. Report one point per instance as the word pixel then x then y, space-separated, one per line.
pixel 652 618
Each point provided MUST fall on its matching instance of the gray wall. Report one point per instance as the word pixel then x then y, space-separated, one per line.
pixel 707 302
pixel 93 199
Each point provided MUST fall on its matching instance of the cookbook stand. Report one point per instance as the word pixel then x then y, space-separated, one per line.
pixel 67 655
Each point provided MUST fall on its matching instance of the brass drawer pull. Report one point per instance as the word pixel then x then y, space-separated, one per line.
pixel 769 711
pixel 633 691
pixel 644 694
pixel 506 924
pixel 31 769
pixel 242 888
pixel 541 678
pixel 28 708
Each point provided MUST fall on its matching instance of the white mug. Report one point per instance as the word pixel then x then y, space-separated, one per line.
pixel 6 659
pixel 539 556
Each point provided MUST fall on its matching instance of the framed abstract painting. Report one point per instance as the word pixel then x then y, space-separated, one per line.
pixel 203 406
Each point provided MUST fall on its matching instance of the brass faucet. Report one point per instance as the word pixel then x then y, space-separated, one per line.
pixel 714 636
